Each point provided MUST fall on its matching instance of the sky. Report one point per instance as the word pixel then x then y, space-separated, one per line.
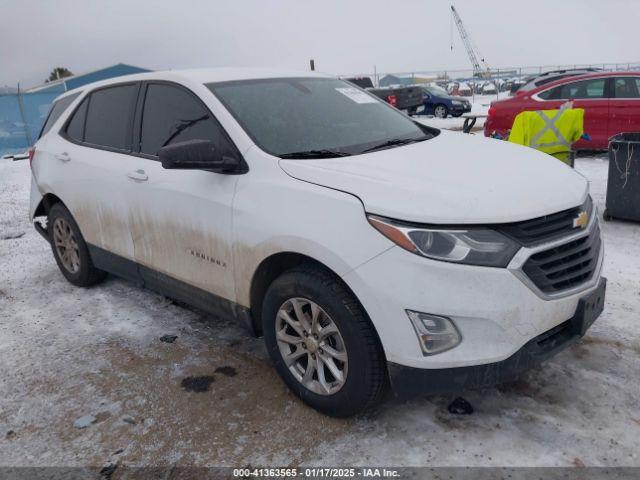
pixel 343 37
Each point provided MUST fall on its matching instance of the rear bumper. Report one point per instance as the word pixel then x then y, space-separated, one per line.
pixel 409 381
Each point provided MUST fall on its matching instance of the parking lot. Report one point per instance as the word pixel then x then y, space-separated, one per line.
pixel 86 379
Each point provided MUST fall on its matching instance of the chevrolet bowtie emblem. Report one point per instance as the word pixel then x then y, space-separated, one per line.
pixel 582 220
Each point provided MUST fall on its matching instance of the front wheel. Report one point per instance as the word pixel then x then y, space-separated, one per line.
pixel 322 343
pixel 441 111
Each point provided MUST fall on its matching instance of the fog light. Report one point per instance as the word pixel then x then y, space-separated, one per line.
pixel 436 333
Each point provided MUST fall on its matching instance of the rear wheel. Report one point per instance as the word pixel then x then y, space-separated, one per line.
pixel 440 111
pixel 322 343
pixel 70 250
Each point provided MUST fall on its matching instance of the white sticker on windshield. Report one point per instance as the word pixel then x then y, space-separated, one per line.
pixel 356 95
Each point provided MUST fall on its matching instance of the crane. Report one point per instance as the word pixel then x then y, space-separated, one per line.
pixel 480 67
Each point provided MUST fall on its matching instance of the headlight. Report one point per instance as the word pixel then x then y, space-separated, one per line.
pixel 455 102
pixel 471 246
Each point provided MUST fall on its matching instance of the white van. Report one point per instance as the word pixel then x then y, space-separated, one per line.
pixel 368 249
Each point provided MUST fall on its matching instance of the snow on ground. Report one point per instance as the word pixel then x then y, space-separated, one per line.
pixel 68 352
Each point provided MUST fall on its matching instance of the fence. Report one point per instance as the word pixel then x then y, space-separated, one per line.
pixel 420 76
pixel 22 115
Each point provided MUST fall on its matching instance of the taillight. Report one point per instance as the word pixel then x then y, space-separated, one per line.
pixel 32 152
pixel 393 100
pixel 492 111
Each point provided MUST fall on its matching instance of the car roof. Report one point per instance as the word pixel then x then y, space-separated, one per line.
pixel 202 75
pixel 576 78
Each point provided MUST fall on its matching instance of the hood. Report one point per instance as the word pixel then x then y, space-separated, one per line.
pixel 453 178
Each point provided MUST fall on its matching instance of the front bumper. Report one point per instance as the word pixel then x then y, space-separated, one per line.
pixel 460 109
pixel 408 381
pixel 496 310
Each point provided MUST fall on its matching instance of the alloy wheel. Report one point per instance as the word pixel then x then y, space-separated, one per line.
pixel 66 245
pixel 440 111
pixel 311 346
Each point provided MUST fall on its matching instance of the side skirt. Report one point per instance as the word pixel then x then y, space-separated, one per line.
pixel 169 286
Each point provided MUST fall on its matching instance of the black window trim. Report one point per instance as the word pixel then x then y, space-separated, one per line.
pixel 135 123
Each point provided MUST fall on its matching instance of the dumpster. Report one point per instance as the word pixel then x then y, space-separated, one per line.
pixel 623 184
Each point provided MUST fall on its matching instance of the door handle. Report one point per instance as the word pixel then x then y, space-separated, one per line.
pixel 63 157
pixel 138 175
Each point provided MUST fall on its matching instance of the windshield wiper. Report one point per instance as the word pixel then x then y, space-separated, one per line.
pixel 315 154
pixel 394 142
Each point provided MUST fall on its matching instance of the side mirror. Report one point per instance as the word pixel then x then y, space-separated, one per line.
pixel 196 155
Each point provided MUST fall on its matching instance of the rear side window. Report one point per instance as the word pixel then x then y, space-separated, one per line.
pixel 75 129
pixel 626 87
pixel 56 110
pixel 584 89
pixel 171 115
pixel 108 121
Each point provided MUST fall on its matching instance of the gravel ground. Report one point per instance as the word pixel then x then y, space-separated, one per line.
pixel 93 358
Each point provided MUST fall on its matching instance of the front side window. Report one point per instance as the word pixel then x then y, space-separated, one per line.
pixel 626 87
pixel 56 110
pixel 314 116
pixel 108 117
pixel 584 89
pixel 171 115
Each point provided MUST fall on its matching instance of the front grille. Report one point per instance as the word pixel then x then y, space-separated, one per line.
pixel 547 228
pixel 566 266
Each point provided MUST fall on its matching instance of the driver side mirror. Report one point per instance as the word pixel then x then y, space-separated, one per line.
pixel 196 155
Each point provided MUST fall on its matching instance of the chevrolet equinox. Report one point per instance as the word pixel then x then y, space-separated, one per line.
pixel 369 250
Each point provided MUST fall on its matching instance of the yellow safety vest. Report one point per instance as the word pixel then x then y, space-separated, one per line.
pixel 550 131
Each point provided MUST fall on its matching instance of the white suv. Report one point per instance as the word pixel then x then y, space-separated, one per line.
pixel 368 249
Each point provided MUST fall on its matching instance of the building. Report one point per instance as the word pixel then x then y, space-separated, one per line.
pixel 69 83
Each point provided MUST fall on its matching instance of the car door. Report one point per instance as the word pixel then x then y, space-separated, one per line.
pixel 92 157
pixel 592 96
pixel 624 105
pixel 181 219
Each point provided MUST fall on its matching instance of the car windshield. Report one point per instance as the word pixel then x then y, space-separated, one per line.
pixel 437 91
pixel 315 117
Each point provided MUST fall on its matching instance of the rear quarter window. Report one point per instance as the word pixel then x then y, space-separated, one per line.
pixel 75 128
pixel 57 109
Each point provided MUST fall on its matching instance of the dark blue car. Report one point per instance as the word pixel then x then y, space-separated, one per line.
pixel 439 103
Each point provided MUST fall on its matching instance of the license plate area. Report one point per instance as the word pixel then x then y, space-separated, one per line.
pixel 589 308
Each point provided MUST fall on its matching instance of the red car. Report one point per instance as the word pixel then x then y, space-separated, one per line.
pixel 611 101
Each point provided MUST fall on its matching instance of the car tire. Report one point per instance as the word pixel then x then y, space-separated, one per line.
pixel 355 351
pixel 70 250
pixel 440 111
